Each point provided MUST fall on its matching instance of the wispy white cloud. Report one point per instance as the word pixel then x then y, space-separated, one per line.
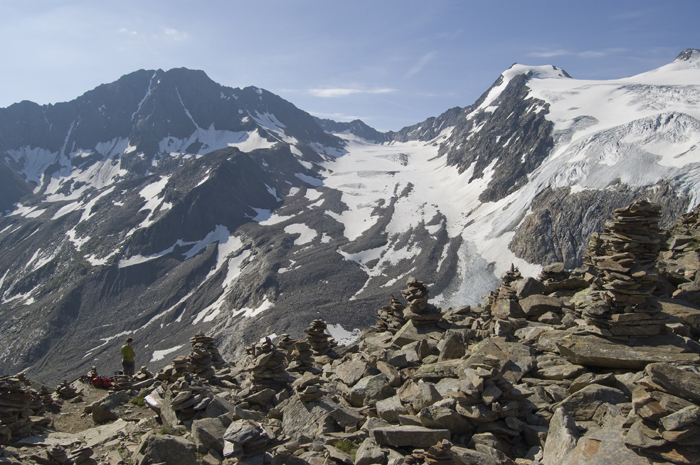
pixel 584 54
pixel 424 60
pixel 334 92
pixel 128 31
pixel 177 36
pixel 549 53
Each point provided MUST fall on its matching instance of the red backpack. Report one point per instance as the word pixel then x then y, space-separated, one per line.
pixel 101 382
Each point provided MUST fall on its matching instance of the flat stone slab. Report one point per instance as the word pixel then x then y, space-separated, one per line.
pixel 51 439
pixel 414 436
pixel 102 434
pixel 596 351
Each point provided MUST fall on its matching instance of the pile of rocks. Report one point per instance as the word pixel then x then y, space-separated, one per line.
pixel 245 438
pixel 308 387
pixel 15 411
pixel 504 303
pixel 301 358
pixel 285 342
pixel 665 419
pixel 419 311
pixel 174 371
pixel 184 400
pixel 267 366
pixel 620 300
pixel 57 455
pixel 142 375
pixel 318 338
pixel 65 390
pixel 121 382
pixel 47 400
pixel 204 357
pixel 391 316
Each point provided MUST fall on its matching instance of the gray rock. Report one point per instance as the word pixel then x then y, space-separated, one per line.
pixel 682 383
pixel 535 306
pixel 453 344
pixel 390 409
pixel 208 434
pixel 106 409
pixel 419 395
pixel 682 418
pixel 370 453
pixel 464 456
pixel 301 419
pixel 441 415
pixel 583 404
pixel 218 406
pixel 527 287
pixel 370 389
pixel 351 371
pixel 173 450
pixel 413 436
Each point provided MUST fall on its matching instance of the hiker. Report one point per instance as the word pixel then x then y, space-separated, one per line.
pixel 128 355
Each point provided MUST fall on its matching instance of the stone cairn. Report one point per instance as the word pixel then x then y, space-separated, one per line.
pixel 66 391
pixel 142 375
pixel 620 300
pixel 440 454
pixel 189 396
pixel 308 387
pixel 301 358
pixel 419 311
pixel 317 337
pixel 121 382
pixel 15 411
pixel 57 455
pixel 267 366
pixel 391 316
pixel 204 357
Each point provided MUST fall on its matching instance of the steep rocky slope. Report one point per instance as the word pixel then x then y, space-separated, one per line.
pixel 165 203
pixel 536 374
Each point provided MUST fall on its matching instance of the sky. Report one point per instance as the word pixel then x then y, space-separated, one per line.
pixel 391 63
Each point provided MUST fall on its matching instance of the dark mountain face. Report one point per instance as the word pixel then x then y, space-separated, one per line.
pixel 164 203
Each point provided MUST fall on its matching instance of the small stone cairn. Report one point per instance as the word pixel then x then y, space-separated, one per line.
pixel 419 311
pixel 391 316
pixel 267 366
pixel 620 301
pixel 318 338
pixel 142 375
pixel 440 454
pixel 65 390
pixel 301 358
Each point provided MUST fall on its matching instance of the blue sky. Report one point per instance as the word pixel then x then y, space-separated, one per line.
pixel 389 63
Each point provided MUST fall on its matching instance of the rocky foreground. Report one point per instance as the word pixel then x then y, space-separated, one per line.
pixel 597 365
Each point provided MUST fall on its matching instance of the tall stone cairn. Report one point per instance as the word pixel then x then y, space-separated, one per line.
pixel 267 366
pixel 504 301
pixel 318 338
pixel 390 317
pixel 15 413
pixel 419 311
pixel 620 299
pixel 204 356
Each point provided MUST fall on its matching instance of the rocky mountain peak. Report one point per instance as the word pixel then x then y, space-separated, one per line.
pixel 691 55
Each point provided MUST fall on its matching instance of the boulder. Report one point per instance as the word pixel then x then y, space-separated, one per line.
pixel 106 409
pixel 208 434
pixel 390 409
pixel 351 371
pixel 164 448
pixel 527 287
pixel 369 390
pixel 535 306
pixel 370 453
pixel 411 333
pixel 419 395
pixel 682 383
pixel 413 436
pixel 583 404
pixel 600 352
